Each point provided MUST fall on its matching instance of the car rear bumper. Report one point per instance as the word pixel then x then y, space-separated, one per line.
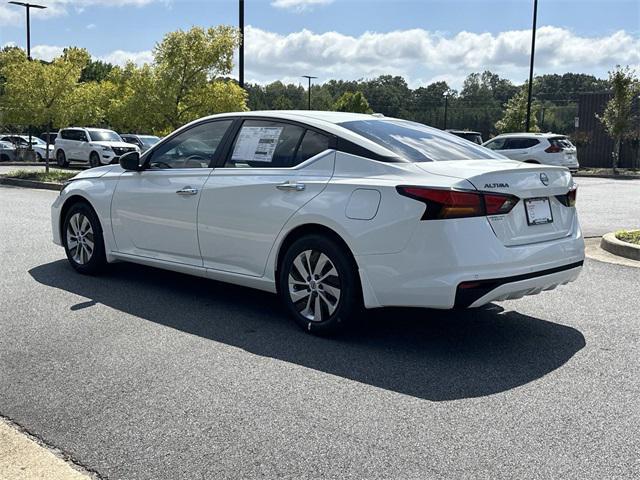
pixel 478 293
pixel 442 255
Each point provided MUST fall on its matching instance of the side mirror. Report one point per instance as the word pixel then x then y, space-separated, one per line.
pixel 131 161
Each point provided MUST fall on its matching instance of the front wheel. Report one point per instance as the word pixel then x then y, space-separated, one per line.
pixel 94 160
pixel 82 237
pixel 61 159
pixel 319 284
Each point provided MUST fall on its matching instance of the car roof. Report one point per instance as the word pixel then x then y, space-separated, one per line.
pixel 325 121
pixel 452 130
pixel 529 135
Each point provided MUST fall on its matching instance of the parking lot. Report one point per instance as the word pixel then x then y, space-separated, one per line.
pixel 142 373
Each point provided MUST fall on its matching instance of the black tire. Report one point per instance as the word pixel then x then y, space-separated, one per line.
pixel 39 157
pixel 61 159
pixel 4 158
pixel 346 306
pixel 96 261
pixel 94 160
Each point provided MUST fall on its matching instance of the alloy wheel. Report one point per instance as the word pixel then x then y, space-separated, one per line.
pixel 314 285
pixel 80 240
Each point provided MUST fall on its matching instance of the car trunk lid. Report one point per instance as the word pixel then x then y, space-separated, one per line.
pixel 526 181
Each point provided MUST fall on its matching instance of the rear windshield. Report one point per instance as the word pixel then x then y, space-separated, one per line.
pixel 418 143
pixel 562 142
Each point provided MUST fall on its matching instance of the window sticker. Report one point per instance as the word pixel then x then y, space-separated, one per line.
pixel 256 144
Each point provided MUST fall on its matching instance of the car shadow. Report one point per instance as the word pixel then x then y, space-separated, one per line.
pixel 429 354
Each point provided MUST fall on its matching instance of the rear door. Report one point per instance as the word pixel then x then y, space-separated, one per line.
pixel 519 148
pixel 271 170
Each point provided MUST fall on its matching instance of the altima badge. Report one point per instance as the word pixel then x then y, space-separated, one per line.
pixel 544 179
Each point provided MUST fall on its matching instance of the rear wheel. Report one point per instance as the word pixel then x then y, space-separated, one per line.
pixel 82 238
pixel 4 158
pixel 61 159
pixel 39 157
pixel 94 160
pixel 319 284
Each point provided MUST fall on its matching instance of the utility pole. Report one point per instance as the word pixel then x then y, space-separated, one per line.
pixel 309 77
pixel 533 52
pixel 446 108
pixel 28 7
pixel 241 55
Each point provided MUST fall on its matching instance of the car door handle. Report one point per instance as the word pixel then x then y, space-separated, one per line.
pixel 187 191
pixel 291 186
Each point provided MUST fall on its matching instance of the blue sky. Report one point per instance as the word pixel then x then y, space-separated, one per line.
pixel 424 40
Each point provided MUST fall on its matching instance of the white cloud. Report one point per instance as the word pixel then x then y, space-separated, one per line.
pixel 10 14
pixel 419 53
pixel 91 26
pixel 46 52
pixel 122 57
pixel 299 5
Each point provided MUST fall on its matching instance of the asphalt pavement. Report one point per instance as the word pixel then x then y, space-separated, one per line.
pixel 146 374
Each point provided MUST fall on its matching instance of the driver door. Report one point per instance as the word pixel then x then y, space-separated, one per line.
pixel 154 211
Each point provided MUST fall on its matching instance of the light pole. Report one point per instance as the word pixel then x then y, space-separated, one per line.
pixel 533 52
pixel 241 52
pixel 309 77
pixel 28 7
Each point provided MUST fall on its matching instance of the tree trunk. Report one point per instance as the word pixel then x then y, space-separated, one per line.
pixel 616 154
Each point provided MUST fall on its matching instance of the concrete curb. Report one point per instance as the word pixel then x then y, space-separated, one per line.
pixel 19 182
pixel 611 244
pixel 52 164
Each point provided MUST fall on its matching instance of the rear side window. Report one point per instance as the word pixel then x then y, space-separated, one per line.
pixel 418 143
pixel 514 143
pixel 66 135
pixel 265 144
pixel 312 144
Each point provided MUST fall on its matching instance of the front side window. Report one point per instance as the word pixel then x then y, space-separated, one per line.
pixel 265 144
pixel 496 144
pixel 416 142
pixel 193 148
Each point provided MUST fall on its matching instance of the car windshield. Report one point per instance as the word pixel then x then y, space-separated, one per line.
pixel 37 141
pixel 149 140
pixel 104 136
pixel 417 142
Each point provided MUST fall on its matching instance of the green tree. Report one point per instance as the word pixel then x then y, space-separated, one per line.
pixel 515 115
pixel 95 71
pixel 38 93
pixel 185 82
pixel 186 64
pixel 617 118
pixel 352 102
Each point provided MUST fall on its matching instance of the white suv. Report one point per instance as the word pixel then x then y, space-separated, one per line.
pixel 96 146
pixel 543 148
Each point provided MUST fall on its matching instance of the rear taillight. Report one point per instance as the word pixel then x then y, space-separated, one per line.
pixel 458 204
pixel 553 149
pixel 569 200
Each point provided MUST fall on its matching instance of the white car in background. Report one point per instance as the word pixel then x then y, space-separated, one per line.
pixel 95 146
pixel 38 145
pixel 333 211
pixel 542 148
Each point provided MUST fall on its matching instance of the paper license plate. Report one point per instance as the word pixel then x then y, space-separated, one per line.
pixel 538 211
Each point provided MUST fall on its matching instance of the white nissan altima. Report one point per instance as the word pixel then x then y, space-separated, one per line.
pixel 333 211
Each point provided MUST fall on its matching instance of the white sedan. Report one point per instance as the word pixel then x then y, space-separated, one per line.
pixel 333 211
